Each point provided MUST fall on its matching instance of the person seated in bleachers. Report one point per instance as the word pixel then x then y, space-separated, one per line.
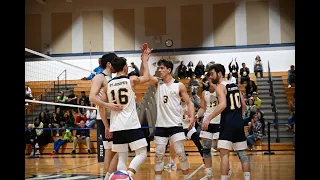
pixel 82 136
pixel 291 76
pixel 92 117
pixel 68 119
pixel 61 98
pixel 28 92
pixel 42 137
pixel 244 74
pixel 247 114
pixel 194 84
pixel 66 137
pixel 256 100
pixel 190 69
pixel 205 82
pixel 250 88
pixel 292 118
pixel 255 126
pixel 182 70
pixel 199 70
pixel 231 79
pixel 55 122
pixel 84 99
pixel 30 138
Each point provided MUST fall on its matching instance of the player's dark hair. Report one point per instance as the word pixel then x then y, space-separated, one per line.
pixel 166 63
pixel 218 68
pixel 118 63
pixel 107 58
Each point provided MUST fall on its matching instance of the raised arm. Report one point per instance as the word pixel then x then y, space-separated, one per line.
pixel 145 77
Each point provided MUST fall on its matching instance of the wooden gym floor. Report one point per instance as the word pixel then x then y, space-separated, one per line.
pixel 281 165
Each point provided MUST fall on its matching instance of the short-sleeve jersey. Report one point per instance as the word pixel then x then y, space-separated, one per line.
pixel 119 89
pixel 233 112
pixel 168 105
pixel 211 104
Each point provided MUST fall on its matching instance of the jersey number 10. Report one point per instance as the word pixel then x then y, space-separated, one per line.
pixel 122 96
pixel 234 98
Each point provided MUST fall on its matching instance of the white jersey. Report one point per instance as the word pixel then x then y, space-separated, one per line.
pixel 119 88
pixel 211 103
pixel 168 105
pixel 185 122
pixel 108 78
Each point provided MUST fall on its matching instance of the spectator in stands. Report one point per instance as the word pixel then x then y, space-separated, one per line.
pixel 30 138
pixel 234 69
pixel 42 138
pixel 28 92
pixel 250 88
pixel 82 136
pixel 84 98
pixel 292 118
pixel 61 98
pixel 92 117
pixel 135 71
pixel 256 100
pixel 72 98
pixel 205 82
pixel 59 115
pixel 255 126
pixel 199 70
pixel 55 121
pixel 247 114
pixel 194 84
pixel 195 99
pixel 44 118
pixel 291 76
pixel 96 71
pixel 258 67
pixel 68 119
pixel 182 70
pixel 231 79
pixel 66 137
pixel 190 69
pixel 244 74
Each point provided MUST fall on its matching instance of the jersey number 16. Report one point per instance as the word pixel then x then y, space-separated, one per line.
pixel 122 96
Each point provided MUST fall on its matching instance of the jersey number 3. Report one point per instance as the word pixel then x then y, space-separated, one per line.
pixel 234 98
pixel 165 99
pixel 122 96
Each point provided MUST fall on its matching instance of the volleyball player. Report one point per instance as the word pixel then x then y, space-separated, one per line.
pixel 125 125
pixel 231 107
pixel 169 118
pixel 103 115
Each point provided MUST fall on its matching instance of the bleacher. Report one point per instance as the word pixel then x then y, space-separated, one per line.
pixel 147 113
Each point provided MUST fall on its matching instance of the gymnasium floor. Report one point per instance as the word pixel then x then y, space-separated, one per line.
pixel 280 166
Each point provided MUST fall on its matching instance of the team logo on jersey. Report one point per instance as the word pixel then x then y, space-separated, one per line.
pixel 65 176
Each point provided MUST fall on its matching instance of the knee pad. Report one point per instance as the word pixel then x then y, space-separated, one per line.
pixel 243 156
pixel 160 151
pixel 179 148
pixel 107 145
pixel 207 148
pixel 142 153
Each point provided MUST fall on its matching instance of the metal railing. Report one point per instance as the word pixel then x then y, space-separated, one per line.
pixel 44 95
pixel 273 103
pixel 65 79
